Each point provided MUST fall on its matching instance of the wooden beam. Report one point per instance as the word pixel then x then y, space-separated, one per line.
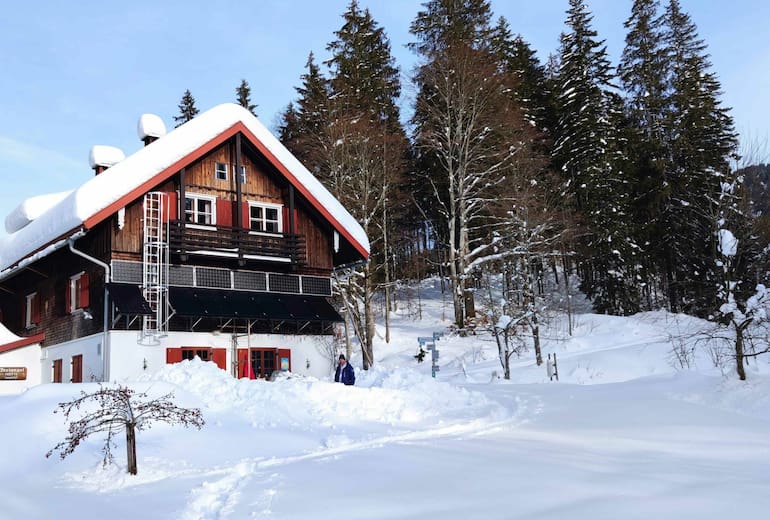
pixel 239 192
pixel 36 271
pixel 182 204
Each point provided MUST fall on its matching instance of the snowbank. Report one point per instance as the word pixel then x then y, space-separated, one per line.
pixel 400 398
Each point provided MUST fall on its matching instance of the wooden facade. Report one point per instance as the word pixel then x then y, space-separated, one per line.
pixel 310 237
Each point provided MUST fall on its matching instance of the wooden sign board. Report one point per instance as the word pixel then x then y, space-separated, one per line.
pixel 13 373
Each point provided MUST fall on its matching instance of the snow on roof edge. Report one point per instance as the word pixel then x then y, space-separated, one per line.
pixel 101 191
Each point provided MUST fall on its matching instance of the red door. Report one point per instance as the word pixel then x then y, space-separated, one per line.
pixel 77 369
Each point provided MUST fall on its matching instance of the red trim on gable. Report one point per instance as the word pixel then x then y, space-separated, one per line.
pixel 203 150
pixel 301 188
pixel 23 342
pixel 146 186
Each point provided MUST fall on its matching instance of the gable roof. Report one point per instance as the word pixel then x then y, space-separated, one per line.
pixel 104 194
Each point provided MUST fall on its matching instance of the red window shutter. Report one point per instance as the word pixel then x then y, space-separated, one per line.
pixel 36 309
pixel 219 356
pixel 283 353
pixel 245 222
pixel 224 213
pixel 84 299
pixel 173 206
pixel 173 355
pixel 67 297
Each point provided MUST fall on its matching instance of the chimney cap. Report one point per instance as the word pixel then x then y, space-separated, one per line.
pixel 150 125
pixel 106 156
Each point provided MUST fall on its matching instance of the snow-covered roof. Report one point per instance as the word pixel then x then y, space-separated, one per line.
pixel 32 208
pixel 96 199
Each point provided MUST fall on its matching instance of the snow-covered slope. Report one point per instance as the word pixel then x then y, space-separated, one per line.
pixel 624 434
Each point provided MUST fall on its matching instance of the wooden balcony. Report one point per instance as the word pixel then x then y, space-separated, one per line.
pixel 236 242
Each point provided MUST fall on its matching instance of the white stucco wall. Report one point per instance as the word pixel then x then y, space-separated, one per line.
pixel 89 347
pixel 28 357
pixel 128 358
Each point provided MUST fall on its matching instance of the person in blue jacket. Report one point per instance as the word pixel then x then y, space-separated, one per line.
pixel 344 373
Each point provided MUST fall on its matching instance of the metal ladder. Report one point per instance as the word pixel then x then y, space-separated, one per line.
pixel 155 267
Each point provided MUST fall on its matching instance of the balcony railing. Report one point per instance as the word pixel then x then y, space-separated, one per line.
pixel 229 241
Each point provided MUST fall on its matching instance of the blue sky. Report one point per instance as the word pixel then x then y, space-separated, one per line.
pixel 75 74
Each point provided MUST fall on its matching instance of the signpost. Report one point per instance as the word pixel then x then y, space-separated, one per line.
pixel 13 373
pixel 430 343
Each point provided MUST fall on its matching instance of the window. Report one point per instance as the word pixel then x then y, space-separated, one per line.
pixel 31 310
pixel 77 292
pixel 199 209
pixel 203 353
pixel 243 175
pixel 56 371
pixel 220 171
pixel 265 218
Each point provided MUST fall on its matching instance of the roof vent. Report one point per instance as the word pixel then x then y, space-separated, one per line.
pixel 150 128
pixel 102 157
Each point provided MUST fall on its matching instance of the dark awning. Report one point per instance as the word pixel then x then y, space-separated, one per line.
pixel 128 299
pixel 217 303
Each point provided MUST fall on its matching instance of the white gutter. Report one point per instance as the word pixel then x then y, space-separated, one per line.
pixel 107 279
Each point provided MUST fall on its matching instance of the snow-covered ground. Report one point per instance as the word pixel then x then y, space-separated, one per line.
pixel 623 435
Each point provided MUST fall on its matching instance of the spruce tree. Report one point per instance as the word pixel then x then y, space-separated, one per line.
pixel 703 140
pixel 446 22
pixel 187 109
pixel 243 92
pixel 364 71
pixel 588 150
pixel 304 124
pixel 529 88
pixel 643 73
pixel 367 151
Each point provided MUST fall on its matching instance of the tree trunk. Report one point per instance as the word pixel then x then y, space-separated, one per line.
pixel 387 274
pixel 131 447
pixel 367 343
pixel 739 358
pixel 468 301
pixel 536 338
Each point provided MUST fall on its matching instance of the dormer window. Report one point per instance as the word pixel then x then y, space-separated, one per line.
pixel 199 209
pixel 265 218
pixel 220 171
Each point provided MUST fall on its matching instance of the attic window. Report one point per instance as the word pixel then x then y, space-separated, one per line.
pixel 221 171
pixel 243 175
pixel 199 209
pixel 265 218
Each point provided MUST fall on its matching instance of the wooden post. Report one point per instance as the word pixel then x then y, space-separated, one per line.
pixel 239 196
pixel 292 228
pixel 181 206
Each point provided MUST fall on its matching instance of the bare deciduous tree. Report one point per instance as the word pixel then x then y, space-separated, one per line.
pixel 120 408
